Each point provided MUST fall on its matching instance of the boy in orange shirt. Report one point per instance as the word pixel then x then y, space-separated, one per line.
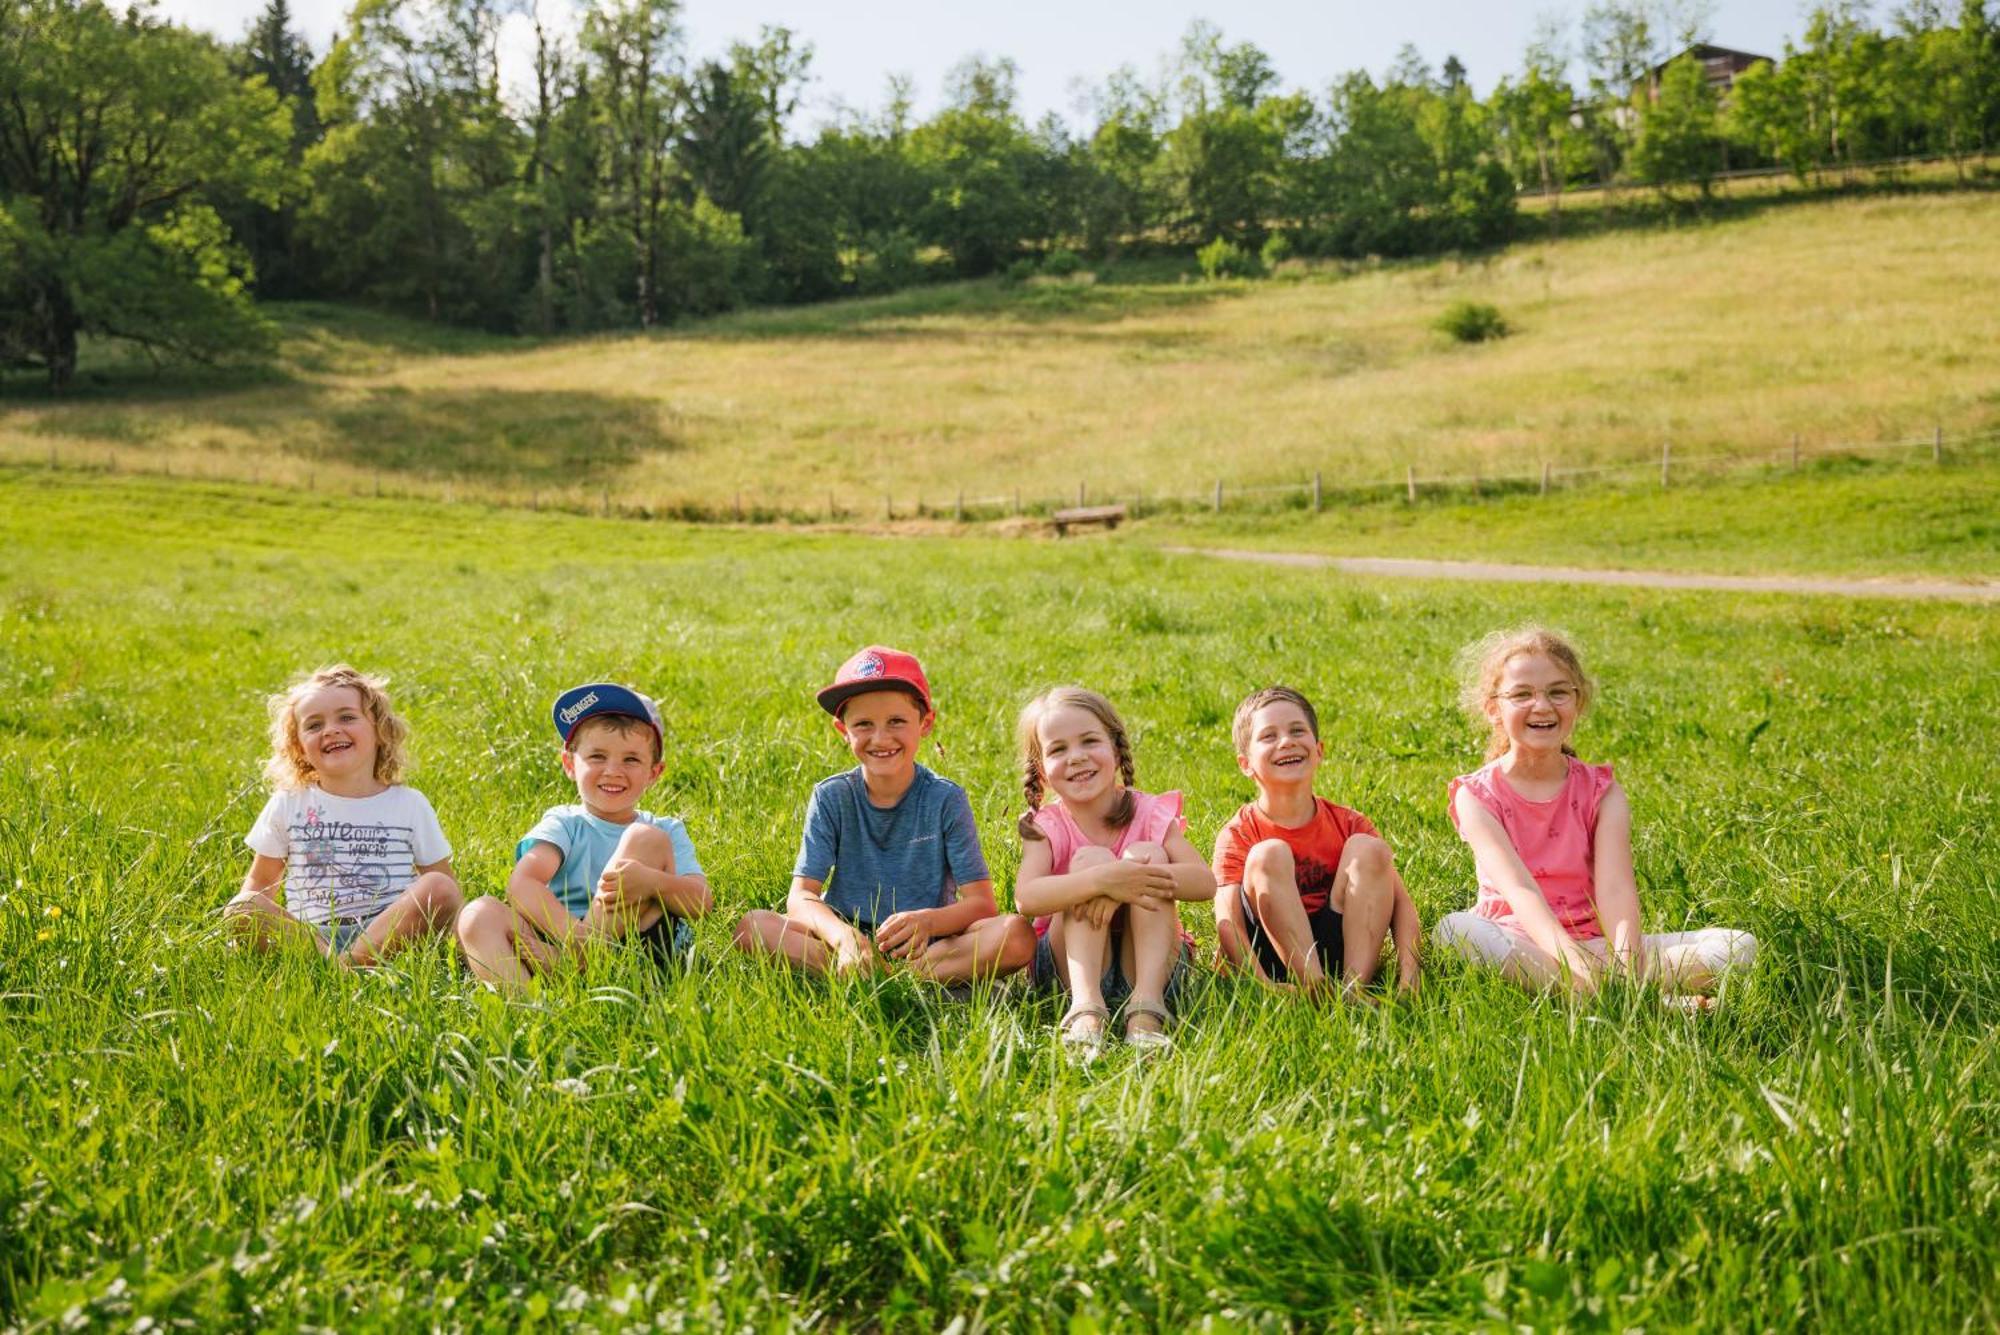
pixel 1306 889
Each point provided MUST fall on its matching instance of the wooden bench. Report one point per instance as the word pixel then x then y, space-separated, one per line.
pixel 1111 516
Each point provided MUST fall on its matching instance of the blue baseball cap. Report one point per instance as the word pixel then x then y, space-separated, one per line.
pixel 578 703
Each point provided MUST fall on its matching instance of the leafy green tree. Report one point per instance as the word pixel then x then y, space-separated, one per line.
pixel 417 187
pixel 118 133
pixel 979 157
pixel 1531 118
pixel 1118 198
pixel 634 48
pixel 1225 160
pixel 1680 135
pixel 273 51
pixel 1768 113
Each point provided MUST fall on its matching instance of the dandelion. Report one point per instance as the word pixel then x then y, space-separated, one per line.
pixel 52 911
pixel 44 934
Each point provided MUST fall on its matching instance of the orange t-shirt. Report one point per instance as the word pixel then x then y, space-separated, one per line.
pixel 1315 846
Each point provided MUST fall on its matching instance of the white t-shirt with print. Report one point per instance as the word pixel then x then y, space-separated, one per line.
pixel 347 858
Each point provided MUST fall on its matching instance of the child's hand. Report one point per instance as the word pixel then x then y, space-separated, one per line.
pixel 1097 911
pixel 905 936
pixel 853 953
pixel 616 892
pixel 1142 883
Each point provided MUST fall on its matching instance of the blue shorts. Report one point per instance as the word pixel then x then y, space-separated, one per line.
pixel 1046 971
pixel 339 934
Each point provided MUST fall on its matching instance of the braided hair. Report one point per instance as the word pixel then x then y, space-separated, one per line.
pixel 1028 735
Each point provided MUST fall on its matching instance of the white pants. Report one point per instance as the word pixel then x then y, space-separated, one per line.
pixel 1690 961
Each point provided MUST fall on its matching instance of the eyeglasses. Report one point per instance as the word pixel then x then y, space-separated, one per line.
pixel 1559 697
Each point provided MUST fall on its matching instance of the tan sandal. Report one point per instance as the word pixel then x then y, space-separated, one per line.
pixel 1083 1045
pixel 1148 1040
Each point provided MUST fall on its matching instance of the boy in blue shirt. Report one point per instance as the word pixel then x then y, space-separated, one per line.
pixel 890 867
pixel 600 869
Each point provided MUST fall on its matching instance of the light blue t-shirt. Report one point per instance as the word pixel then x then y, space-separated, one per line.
pixel 587 843
pixel 884 860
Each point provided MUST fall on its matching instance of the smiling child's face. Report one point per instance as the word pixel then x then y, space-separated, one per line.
pixel 1079 758
pixel 1283 750
pixel 612 767
pixel 1536 703
pixel 883 730
pixel 338 736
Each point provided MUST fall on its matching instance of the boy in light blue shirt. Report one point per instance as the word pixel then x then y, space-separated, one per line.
pixel 599 869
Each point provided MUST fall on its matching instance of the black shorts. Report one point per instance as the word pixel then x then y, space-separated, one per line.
pixel 669 940
pixel 1327 943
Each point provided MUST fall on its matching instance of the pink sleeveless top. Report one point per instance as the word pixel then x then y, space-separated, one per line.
pixel 1154 817
pixel 1555 839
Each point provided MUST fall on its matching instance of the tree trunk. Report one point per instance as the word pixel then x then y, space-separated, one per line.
pixel 545 281
pixel 60 326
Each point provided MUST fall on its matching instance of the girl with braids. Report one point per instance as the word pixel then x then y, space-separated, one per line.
pixel 1103 867
pixel 1551 839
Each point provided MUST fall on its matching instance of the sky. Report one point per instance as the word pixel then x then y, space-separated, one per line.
pixel 1061 46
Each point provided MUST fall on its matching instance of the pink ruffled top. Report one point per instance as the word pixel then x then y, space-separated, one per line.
pixel 1556 840
pixel 1154 817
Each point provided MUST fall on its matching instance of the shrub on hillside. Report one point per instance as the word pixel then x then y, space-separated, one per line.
pixel 1472 322
pixel 1222 258
pixel 890 261
pixel 1021 270
pixel 1062 264
pixel 1277 249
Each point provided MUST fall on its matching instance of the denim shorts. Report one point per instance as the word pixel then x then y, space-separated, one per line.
pixel 1046 971
pixel 339 934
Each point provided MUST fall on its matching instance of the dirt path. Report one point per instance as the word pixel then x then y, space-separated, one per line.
pixel 1972 591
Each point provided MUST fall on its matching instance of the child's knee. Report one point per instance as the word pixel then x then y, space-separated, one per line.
pixel 751 932
pixel 1271 859
pixel 482 920
pixel 1147 852
pixel 1017 946
pixel 1369 858
pixel 246 904
pixel 1091 856
pixel 1735 950
pixel 646 844
pixel 437 895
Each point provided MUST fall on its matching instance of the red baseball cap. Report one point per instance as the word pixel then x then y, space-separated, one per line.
pixel 871 670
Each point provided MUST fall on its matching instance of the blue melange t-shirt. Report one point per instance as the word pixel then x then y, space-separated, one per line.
pixel 587 843
pixel 881 861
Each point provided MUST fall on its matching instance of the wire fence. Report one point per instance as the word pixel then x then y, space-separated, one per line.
pixel 1313 492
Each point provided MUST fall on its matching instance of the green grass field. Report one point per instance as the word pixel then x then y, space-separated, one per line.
pixel 1854 320
pixel 202 1136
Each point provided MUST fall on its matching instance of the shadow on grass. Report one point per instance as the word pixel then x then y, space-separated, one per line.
pixel 544 436
pixel 1648 211
pixel 898 314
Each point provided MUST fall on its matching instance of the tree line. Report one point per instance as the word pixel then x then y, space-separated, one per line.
pixel 153 178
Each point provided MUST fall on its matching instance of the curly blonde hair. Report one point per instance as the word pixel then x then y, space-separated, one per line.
pixel 288 767
pixel 1482 663
pixel 1027 734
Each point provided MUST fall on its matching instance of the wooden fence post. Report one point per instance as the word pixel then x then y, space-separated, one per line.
pixel 739 505
pixel 604 500
pixel 1410 482
pixel 1218 495
pixel 1795 451
pixel 1666 459
pixel 1079 495
pixel 1316 491
pixel 961 505
pixel 1545 477
pixel 1937 445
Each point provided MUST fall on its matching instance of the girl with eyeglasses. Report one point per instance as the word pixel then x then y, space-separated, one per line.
pixel 1551 837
